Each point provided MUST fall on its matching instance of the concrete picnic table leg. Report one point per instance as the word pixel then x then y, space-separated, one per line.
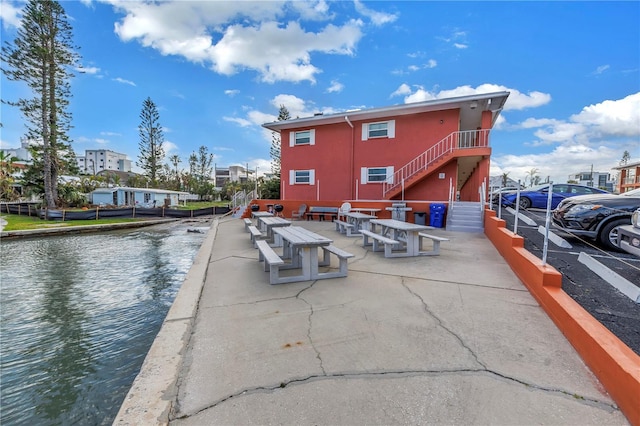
pixel 412 243
pixel 307 262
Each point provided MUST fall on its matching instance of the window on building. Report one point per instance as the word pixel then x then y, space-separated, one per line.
pixel 382 129
pixel 147 197
pixel 301 177
pixel 302 137
pixel 376 174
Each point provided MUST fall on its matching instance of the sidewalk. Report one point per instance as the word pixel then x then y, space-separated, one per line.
pixel 450 339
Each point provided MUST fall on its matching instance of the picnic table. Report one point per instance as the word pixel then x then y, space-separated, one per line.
pixel 301 246
pixel 405 236
pixel 358 220
pixel 369 210
pixel 268 223
pixel 261 214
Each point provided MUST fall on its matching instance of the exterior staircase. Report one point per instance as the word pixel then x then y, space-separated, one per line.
pixel 429 161
pixel 465 216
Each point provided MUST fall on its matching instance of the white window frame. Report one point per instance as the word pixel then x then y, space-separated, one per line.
pixel 364 175
pixel 293 175
pixel 293 137
pixel 391 130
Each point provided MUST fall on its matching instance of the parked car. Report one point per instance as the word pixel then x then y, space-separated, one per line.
pixel 597 216
pixel 629 235
pixel 501 192
pixel 537 196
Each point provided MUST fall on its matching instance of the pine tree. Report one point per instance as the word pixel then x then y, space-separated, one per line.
pixel 283 114
pixel 42 56
pixel 151 156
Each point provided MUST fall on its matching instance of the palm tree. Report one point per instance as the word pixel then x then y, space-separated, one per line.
pixel 505 178
pixel 532 174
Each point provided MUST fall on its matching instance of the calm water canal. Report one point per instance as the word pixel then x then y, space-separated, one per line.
pixel 78 315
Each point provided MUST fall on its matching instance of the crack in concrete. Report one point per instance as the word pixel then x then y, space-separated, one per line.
pixel 391 374
pixel 310 320
pixel 441 324
pixel 519 290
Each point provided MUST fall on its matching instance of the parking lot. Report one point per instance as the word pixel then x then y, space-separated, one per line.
pixel 615 310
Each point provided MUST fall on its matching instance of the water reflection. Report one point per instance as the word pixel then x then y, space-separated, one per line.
pixel 77 317
pixel 66 346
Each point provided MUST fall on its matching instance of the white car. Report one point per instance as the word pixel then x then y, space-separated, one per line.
pixel 629 235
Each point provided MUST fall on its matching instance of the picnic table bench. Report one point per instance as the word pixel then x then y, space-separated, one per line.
pixel 272 261
pixel 436 244
pixel 389 243
pixel 321 212
pixel 255 234
pixel 344 227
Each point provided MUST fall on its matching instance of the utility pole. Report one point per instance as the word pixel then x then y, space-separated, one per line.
pixel 591 176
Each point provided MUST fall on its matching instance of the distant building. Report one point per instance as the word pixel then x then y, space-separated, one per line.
pixel 594 179
pixel 96 160
pixel 496 182
pixel 22 153
pixel 232 174
pixel 629 176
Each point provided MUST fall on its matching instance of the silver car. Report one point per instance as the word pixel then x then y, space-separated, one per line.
pixel 629 235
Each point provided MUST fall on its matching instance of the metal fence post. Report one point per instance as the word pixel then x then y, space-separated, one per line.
pixel 546 225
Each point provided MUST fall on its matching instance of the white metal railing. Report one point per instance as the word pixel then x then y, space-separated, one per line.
pixel 457 140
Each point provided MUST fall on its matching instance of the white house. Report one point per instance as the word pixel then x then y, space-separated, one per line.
pixel 141 197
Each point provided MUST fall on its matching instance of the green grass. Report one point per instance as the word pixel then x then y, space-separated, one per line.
pixel 195 205
pixel 21 223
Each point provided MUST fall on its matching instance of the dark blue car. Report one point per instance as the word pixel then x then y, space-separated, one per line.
pixel 536 196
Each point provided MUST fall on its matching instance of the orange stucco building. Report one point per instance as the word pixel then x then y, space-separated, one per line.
pixel 418 151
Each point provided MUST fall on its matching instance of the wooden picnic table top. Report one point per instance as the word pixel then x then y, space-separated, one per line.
pixel 400 225
pixel 297 235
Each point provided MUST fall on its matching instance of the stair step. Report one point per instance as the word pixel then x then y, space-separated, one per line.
pixel 459 228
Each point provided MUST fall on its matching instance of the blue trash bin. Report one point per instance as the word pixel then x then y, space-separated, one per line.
pixel 436 216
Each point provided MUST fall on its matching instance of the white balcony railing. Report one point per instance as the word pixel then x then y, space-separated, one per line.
pixel 454 141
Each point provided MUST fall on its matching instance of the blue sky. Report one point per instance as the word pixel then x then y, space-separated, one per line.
pixel 218 70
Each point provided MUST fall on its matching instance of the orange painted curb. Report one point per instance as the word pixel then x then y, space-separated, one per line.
pixel 614 363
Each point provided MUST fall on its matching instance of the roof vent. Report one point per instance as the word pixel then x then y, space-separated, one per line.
pixel 317 114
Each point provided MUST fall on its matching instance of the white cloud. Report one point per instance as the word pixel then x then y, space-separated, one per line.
pixel 88 70
pixel 242 122
pixel 610 119
pixel 169 147
pixel 601 69
pixel 231 93
pixel 597 135
pixel 516 100
pixel 231 37
pixel 617 118
pixel 10 15
pixel 404 89
pixel 336 87
pixel 297 107
pixel 110 134
pixel 460 45
pixel 558 164
pixel 377 18
pixel 123 81
pixel 432 63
